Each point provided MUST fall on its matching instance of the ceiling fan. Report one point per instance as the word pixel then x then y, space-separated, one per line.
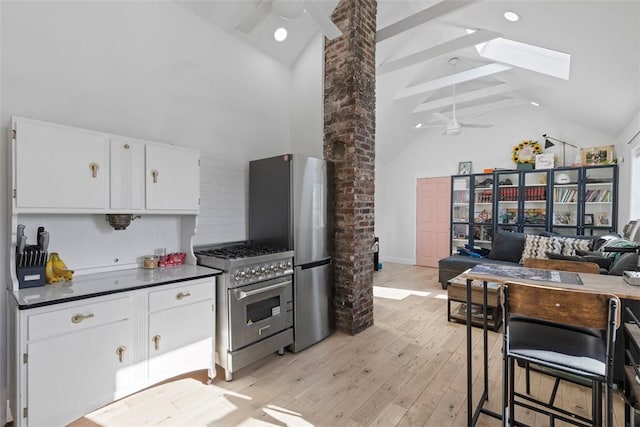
pixel 290 9
pixel 452 125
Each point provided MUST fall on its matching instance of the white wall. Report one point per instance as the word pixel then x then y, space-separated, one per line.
pixel 625 151
pixel 434 155
pixel 307 118
pixel 150 70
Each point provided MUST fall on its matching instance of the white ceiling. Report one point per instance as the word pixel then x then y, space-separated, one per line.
pixel 602 37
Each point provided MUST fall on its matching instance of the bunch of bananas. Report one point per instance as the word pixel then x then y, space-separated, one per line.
pixel 56 270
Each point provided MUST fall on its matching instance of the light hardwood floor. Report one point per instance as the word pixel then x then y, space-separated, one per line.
pixel 406 370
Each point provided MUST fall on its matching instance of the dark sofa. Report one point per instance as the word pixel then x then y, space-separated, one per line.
pixel 508 247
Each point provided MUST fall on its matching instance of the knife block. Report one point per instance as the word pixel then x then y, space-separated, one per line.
pixel 30 277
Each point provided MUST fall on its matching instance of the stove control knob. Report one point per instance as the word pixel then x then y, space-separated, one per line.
pixel 253 272
pixel 289 264
pixel 263 270
pixel 273 267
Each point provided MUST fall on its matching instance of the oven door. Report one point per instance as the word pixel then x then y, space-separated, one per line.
pixel 259 310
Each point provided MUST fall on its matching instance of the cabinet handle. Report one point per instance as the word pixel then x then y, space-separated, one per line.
pixel 156 342
pixel 182 295
pixel 154 174
pixel 120 352
pixel 94 169
pixel 80 317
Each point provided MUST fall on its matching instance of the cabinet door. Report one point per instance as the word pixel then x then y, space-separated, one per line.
pixel 460 190
pixel 172 178
pixel 59 166
pixel 76 373
pixel 565 207
pixel 181 340
pixel 127 174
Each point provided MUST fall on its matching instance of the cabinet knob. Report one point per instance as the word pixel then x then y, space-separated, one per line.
pixel 154 174
pixel 80 317
pixel 120 352
pixel 94 169
pixel 126 146
pixel 156 342
pixel 183 295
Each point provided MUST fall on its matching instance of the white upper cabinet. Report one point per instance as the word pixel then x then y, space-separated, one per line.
pixel 173 178
pixel 70 170
pixel 127 174
pixel 58 167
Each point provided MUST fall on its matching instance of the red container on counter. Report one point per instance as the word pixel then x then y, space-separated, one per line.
pixel 172 259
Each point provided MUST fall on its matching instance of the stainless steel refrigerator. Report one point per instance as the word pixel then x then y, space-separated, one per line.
pixel 288 208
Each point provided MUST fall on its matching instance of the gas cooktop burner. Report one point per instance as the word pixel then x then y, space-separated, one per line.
pixel 240 251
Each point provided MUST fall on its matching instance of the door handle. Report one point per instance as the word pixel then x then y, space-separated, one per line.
pixel 244 294
pixel 94 169
pixel 80 317
pixel 156 342
pixel 120 352
pixel 264 328
pixel 183 295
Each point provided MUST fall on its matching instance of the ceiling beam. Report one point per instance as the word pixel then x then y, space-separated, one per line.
pixel 467 96
pixel 477 110
pixel 426 15
pixel 452 79
pixel 468 40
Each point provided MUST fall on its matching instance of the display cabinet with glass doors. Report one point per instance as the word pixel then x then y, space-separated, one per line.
pixel 585 200
pixel 460 209
pixel 521 200
pixel 471 211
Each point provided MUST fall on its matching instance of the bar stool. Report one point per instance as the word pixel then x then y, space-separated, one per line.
pixel 549 343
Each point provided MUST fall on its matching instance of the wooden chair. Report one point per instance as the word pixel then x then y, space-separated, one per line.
pixel 562 265
pixel 558 265
pixel 556 342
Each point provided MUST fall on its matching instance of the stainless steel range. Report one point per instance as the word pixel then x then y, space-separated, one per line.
pixel 254 302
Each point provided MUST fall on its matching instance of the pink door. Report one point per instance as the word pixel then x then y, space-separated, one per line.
pixel 433 204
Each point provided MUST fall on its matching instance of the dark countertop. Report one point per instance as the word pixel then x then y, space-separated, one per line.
pixel 99 284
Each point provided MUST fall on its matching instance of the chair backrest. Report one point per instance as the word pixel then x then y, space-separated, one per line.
pixel 565 306
pixel 562 265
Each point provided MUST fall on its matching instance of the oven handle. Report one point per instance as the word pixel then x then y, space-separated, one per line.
pixel 242 294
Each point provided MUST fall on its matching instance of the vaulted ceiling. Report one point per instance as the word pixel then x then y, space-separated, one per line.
pixel 418 39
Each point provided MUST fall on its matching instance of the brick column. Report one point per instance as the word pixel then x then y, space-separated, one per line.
pixel 349 141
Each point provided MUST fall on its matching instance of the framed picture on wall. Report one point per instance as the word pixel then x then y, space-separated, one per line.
pixel 464 168
pixel 588 219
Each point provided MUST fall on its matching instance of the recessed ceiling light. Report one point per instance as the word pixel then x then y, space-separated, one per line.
pixel 511 16
pixel 419 125
pixel 535 104
pixel 280 34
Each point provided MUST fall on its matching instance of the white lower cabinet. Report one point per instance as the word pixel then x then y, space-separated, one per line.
pixel 180 331
pixel 72 358
pixel 80 370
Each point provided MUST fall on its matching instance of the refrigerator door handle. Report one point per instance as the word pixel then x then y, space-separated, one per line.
pixel 315 264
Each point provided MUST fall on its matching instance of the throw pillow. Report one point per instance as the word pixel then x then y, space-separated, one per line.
pixel 571 245
pixel 538 246
pixel 601 261
pixel 626 262
pixel 507 246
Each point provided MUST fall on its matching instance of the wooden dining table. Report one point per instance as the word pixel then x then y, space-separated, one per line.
pixel 485 273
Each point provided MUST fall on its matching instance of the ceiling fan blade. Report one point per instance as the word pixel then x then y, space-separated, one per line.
pixel 330 30
pixel 429 126
pixel 255 16
pixel 441 117
pixel 472 125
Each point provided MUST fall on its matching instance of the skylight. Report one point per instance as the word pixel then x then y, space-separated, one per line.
pixel 530 57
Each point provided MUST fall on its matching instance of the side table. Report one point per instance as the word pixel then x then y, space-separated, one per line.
pixel 457 292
